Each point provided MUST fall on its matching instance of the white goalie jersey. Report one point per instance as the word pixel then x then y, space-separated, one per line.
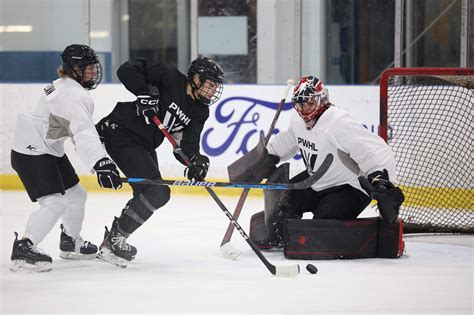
pixel 356 150
pixel 64 111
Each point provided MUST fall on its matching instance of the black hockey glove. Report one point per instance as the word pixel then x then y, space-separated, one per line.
pixel 389 197
pixel 107 174
pixel 198 168
pixel 147 106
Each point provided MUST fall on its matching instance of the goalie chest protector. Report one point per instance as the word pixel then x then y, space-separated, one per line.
pixel 342 239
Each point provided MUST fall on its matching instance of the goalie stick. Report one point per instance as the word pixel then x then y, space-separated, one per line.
pixel 227 250
pixel 278 186
pixel 281 271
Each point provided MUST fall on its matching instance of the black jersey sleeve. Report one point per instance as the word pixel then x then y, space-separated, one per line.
pixel 138 74
pixel 192 134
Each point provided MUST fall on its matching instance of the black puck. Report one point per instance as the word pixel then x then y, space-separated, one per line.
pixel 311 268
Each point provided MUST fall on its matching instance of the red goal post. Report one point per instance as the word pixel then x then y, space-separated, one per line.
pixel 426 117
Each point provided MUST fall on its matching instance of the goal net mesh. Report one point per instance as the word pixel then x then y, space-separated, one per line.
pixel 429 127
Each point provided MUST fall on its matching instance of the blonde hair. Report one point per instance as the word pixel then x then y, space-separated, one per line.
pixel 61 72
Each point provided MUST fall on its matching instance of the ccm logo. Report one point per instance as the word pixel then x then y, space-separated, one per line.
pixel 149 102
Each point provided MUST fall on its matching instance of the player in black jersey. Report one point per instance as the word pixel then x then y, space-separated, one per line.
pixel 182 103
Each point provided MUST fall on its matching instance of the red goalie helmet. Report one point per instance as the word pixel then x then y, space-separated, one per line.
pixel 310 99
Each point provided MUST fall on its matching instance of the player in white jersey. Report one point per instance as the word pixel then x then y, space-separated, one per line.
pixel 63 111
pixel 316 129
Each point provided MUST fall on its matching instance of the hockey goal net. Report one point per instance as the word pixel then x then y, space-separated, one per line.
pixel 426 118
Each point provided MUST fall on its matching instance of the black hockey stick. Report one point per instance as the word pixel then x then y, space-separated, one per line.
pixel 282 271
pixel 308 182
pixel 227 250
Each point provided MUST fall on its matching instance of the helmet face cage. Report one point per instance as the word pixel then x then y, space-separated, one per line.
pixel 310 90
pixel 206 69
pixel 76 58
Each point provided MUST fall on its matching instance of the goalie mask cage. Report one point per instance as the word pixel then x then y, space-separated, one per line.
pixel 426 118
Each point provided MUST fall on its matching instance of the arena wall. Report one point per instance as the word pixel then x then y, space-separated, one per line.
pixel 232 129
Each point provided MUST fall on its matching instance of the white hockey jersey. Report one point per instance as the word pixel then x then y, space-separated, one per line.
pixel 64 111
pixel 356 150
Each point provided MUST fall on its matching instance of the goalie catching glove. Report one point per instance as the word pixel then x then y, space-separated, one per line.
pixel 389 197
pixel 198 168
pixel 147 106
pixel 107 174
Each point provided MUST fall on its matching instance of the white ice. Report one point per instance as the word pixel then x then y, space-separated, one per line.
pixel 179 269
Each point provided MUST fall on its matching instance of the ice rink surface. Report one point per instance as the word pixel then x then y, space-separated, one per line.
pixel 179 269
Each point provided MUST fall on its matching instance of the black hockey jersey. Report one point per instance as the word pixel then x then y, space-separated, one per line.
pixel 183 117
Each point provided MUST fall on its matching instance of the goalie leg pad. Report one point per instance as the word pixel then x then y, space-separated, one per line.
pixel 330 239
pixel 342 239
pixel 277 205
pixel 390 239
pixel 258 231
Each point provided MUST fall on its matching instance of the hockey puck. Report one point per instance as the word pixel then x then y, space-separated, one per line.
pixel 311 268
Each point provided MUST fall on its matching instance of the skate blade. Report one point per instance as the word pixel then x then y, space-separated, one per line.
pixel 106 255
pixel 24 266
pixel 76 256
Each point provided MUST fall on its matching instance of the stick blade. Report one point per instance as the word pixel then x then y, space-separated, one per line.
pixel 229 252
pixel 287 271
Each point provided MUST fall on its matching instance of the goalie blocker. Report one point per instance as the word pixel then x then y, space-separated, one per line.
pixel 333 239
pixel 254 166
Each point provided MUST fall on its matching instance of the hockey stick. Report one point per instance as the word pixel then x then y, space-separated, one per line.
pixel 308 182
pixel 281 271
pixel 227 250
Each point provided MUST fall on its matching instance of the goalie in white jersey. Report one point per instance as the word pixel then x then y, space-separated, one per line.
pixel 63 111
pixel 317 129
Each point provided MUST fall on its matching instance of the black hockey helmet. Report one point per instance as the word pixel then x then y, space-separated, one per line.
pixel 76 58
pixel 207 69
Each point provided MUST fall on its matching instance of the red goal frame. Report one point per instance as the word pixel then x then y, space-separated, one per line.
pixel 409 71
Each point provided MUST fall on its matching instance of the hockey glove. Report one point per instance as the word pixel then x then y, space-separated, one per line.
pixel 389 198
pixel 198 168
pixel 254 165
pixel 107 174
pixel 147 106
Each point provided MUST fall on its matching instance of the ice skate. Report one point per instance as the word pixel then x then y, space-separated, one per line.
pixel 75 248
pixel 115 249
pixel 27 257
